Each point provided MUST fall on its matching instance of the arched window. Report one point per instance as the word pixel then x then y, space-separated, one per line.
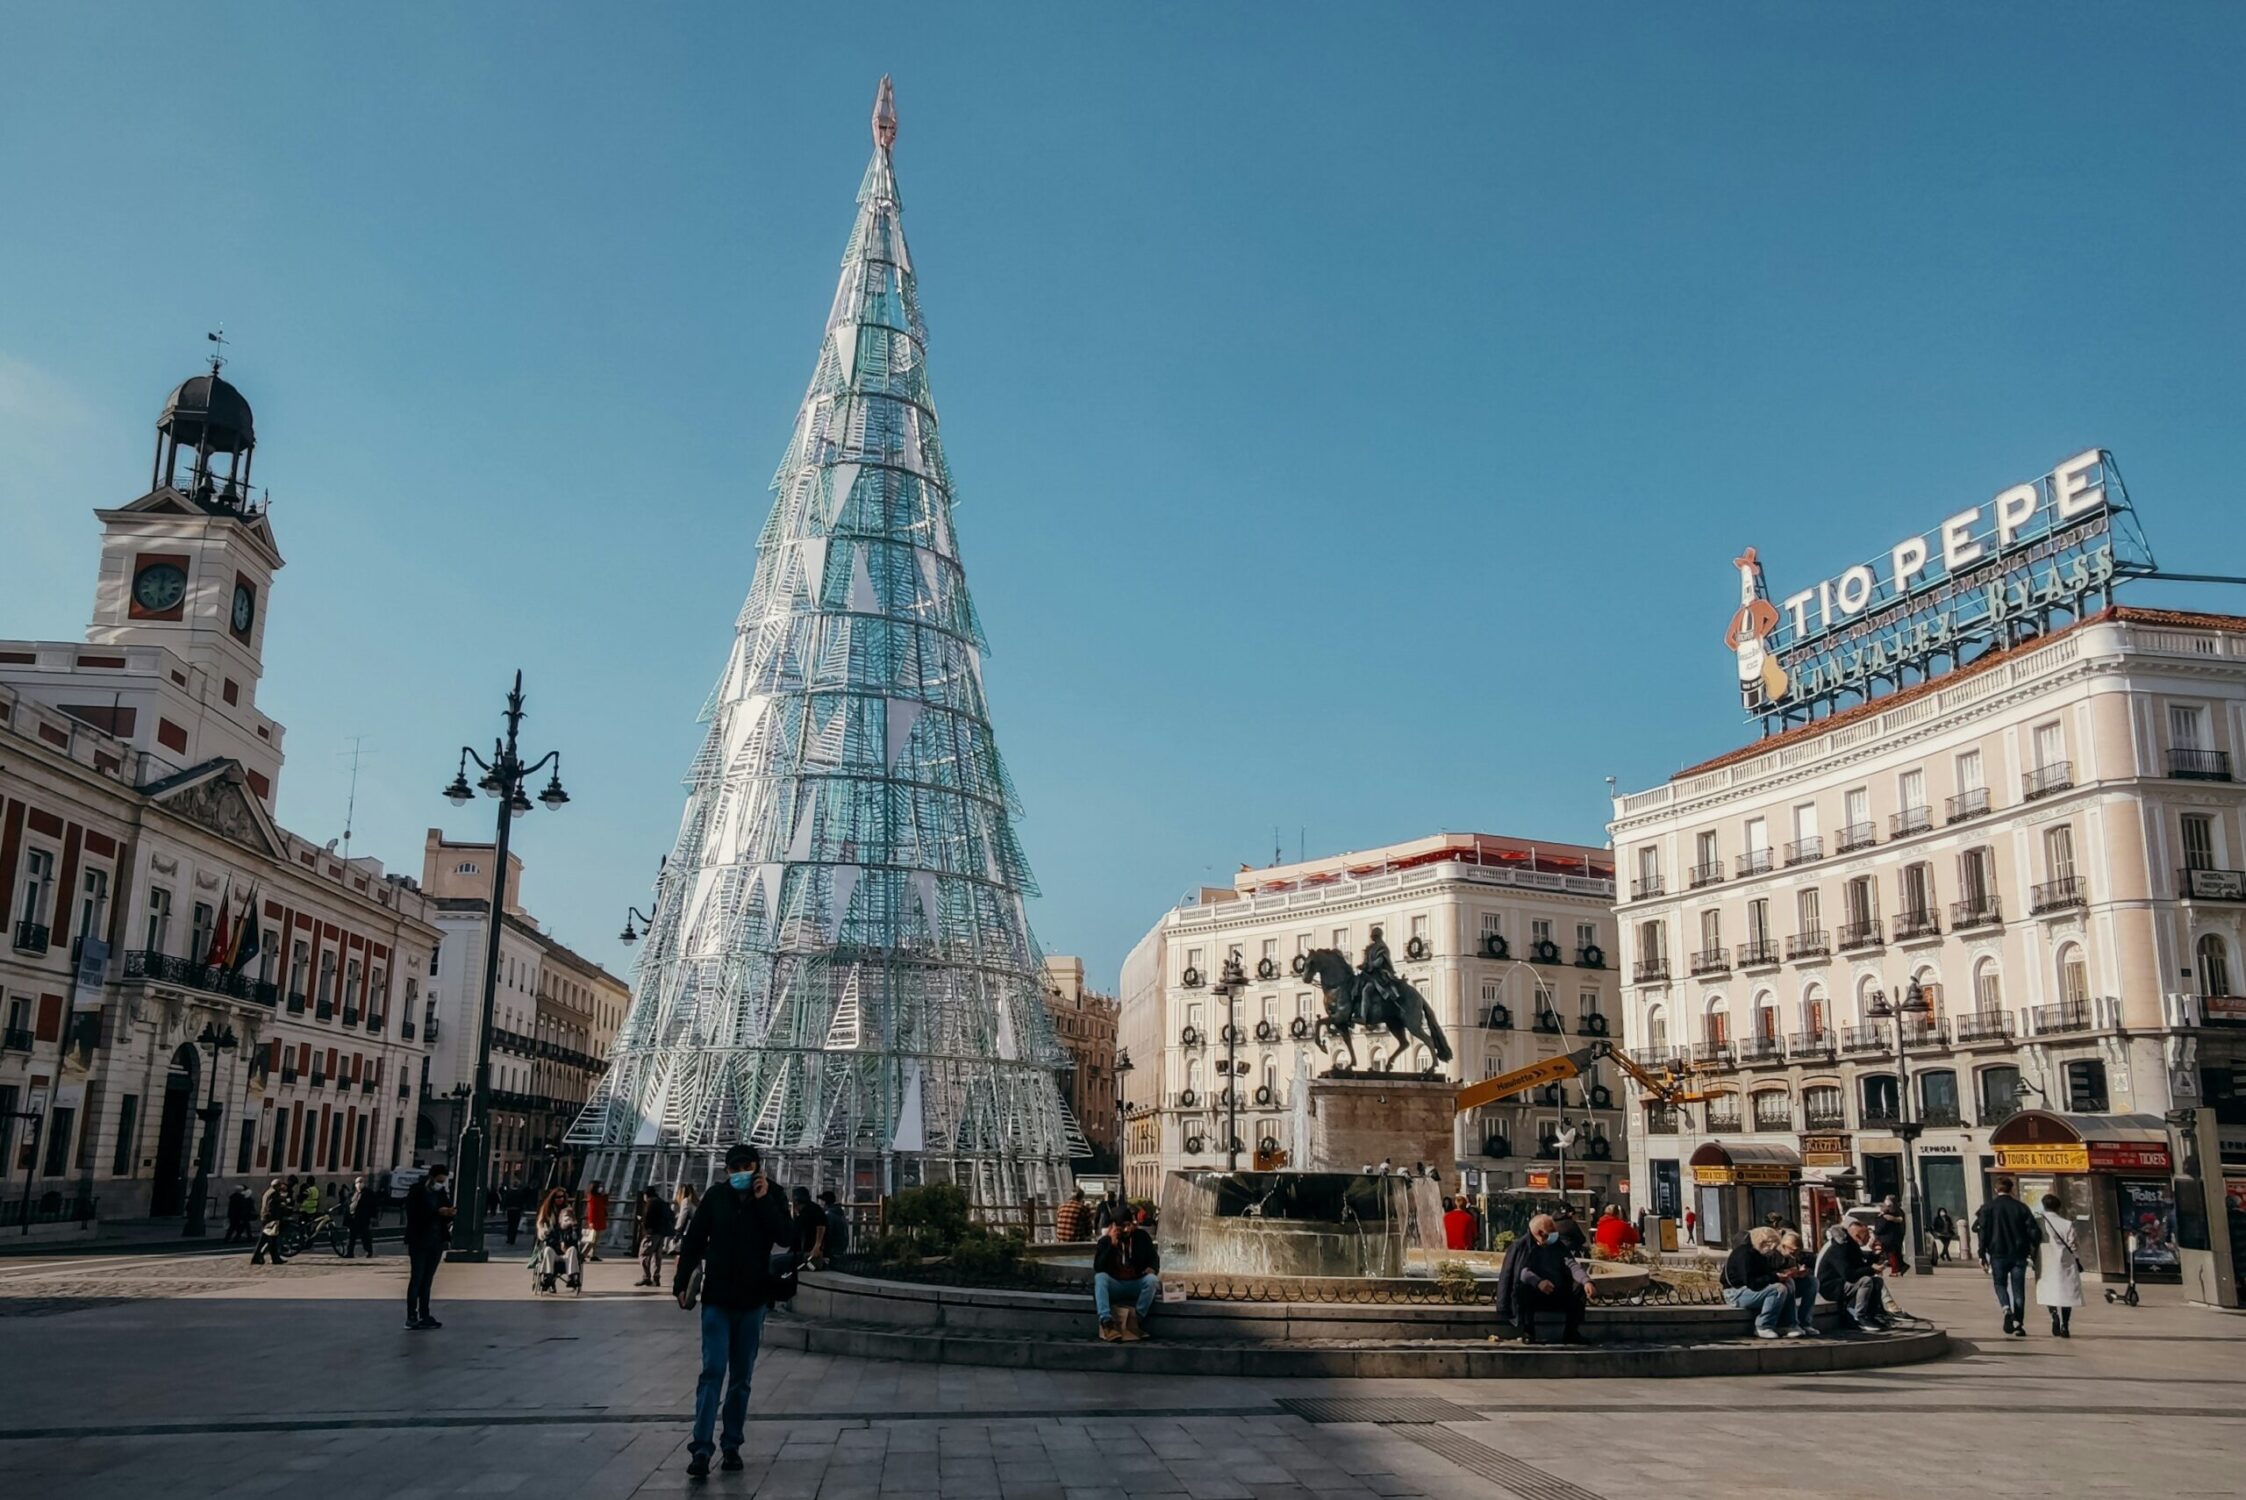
pixel 1774 1110
pixel 1929 982
pixel 1988 988
pixel 1193 1074
pixel 1816 1017
pixel 1866 987
pixel 2074 977
pixel 1766 1016
pixel 1717 1023
pixel 1657 1031
pixel 2214 967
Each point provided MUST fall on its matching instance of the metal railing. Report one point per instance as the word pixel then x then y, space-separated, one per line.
pixel 1854 935
pixel 1761 953
pixel 2044 780
pixel 1812 944
pixel 1880 1117
pixel 1909 821
pixel 2199 765
pixel 162 968
pixel 1805 851
pixel 1707 874
pixel 1966 805
pixel 2056 895
pixel 1652 886
pixel 1917 924
pixel 1997 1111
pixel 2061 1015
pixel 1818 1119
pixel 1650 970
pixel 2199 883
pixel 49 1208
pixel 1855 836
pixel 1661 1122
pixel 1983 1026
pixel 1976 911
pixel 1711 1052
pixel 1711 961
pixel 1810 1044
pixel 15 1039
pixel 1942 1115
pixel 1755 862
pixel 1762 1049
pixel 1869 1037
pixel 31 937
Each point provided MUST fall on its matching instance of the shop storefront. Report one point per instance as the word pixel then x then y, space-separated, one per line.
pixel 1738 1185
pixel 1829 1183
pixel 2113 1175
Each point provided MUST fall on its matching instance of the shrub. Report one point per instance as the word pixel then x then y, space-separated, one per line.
pixel 1503 1241
pixel 983 1252
pixel 1455 1280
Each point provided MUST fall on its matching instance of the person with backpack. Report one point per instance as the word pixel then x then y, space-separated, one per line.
pixel 725 1265
pixel 2008 1234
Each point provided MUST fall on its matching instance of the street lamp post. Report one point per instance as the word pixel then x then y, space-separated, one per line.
pixel 506 775
pixel 1563 1138
pixel 1230 982
pixel 215 1039
pixel 1913 1003
pixel 1122 1117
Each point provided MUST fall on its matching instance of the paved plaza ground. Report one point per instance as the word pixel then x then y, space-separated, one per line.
pixel 184 1375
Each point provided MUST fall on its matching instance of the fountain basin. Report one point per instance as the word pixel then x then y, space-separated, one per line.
pixel 1294 1224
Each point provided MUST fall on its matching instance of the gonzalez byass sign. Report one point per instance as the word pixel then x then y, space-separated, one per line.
pixel 2033 551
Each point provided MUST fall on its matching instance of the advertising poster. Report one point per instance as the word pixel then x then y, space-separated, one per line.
pixel 2149 1213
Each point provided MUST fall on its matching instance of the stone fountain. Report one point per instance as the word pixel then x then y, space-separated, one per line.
pixel 1299 1223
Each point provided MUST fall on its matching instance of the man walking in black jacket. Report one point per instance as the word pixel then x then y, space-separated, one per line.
pixel 730 1242
pixel 428 1226
pixel 358 1219
pixel 2008 1235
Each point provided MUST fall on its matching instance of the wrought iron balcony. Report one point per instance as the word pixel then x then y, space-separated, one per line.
pixel 1942 1116
pixel 1724 1124
pixel 429 1029
pixel 319 1079
pixel 1997 1111
pixel 1976 911
pixel 1822 1119
pixel 1917 924
pixel 323 1010
pixel 2199 765
pixel 2063 1015
pixel 350 1015
pixel 296 1005
pixel 162 968
pixel 1909 821
pixel 405 1031
pixel 1710 873
pixel 1549 1023
pixel 1983 1026
pixel 1811 944
pixel 2044 780
pixel 1967 805
pixel 16 1039
pixel 2211 885
pixel 1650 970
pixel 1759 954
pixel 1711 1052
pixel 2056 895
pixel 266 994
pixel 288 1072
pixel 1870 1037
pixel 1711 961
pixel 1661 1122
pixel 1805 851
pixel 1774 1117
pixel 31 937
pixel 1755 862
pixel 1855 935
pixel 1810 1044
pixel 1757 1049
pixel 1855 836
pixel 1881 1117
pixel 1652 885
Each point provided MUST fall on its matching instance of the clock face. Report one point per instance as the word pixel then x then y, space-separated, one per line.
pixel 245 608
pixel 159 587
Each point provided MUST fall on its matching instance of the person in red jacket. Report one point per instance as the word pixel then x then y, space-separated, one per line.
pixel 596 1220
pixel 1614 1233
pixel 1458 1225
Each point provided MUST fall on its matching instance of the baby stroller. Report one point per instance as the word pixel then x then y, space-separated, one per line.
pixel 554 1264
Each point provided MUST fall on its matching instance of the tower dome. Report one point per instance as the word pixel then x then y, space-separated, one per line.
pixel 203 418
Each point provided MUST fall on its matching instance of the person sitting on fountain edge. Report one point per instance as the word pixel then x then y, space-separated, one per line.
pixel 1540 1275
pixel 1125 1261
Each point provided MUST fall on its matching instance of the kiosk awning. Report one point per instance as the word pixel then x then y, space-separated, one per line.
pixel 2042 1140
pixel 1752 1162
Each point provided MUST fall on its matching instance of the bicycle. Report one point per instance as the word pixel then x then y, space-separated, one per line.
pixel 304 1230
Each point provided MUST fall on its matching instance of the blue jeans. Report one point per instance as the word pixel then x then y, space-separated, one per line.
pixel 730 1336
pixel 2010 1274
pixel 1769 1304
pixel 1804 1290
pixel 1103 1285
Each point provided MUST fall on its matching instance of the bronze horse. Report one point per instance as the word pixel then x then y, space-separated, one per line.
pixel 1408 1018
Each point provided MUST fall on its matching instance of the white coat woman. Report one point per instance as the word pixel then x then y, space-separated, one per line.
pixel 2058 1280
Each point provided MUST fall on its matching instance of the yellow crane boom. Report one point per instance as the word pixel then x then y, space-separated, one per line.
pixel 1668 1088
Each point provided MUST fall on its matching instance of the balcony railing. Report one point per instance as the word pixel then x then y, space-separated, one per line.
pixel 1774 1119
pixel 350 1015
pixel 2063 1015
pixel 1854 935
pixel 1651 886
pixel 2212 885
pixel 1711 961
pixel 1976 911
pixel 1940 1115
pixel 405 1031
pixel 1917 924
pixel 1711 1052
pixel 1967 805
pixel 31 937
pixel 288 1073
pixel 1762 953
pixel 1881 1117
pixel 1805 851
pixel 1810 1044
pixel 429 1029
pixel 1661 1122
pixel 1725 1124
pixel 1855 836
pixel 1549 1023
pixel 1755 862
pixel 162 968
pixel 323 1010
pixel 1997 1111
pixel 16 1039
pixel 1909 821
pixel 1762 1049
pixel 1707 874
pixel 2056 895
pixel 266 993
pixel 1650 970
pixel 1983 1026
pixel 296 1005
pixel 1820 1119
pixel 1871 1037
pixel 1814 944
pixel 2044 780
pixel 2199 765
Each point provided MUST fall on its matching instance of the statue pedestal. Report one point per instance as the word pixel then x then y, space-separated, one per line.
pixel 1371 1118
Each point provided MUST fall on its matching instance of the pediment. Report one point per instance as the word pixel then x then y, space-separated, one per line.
pixel 216 796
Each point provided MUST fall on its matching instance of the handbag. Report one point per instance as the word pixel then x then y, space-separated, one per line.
pixel 692 1296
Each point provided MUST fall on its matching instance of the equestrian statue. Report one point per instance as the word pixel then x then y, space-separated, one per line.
pixel 1372 997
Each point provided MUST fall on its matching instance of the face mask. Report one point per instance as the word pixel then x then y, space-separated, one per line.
pixel 741 1181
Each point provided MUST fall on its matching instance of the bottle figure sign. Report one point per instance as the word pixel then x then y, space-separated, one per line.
pixel 1761 679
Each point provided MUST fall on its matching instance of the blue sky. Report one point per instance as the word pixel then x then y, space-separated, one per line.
pixel 1355 409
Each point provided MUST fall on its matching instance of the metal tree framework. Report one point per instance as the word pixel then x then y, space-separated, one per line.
pixel 838 964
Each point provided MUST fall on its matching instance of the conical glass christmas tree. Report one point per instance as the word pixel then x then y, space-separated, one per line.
pixel 839 967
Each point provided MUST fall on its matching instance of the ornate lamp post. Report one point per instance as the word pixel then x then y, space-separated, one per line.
pixel 215 1039
pixel 1122 1117
pixel 506 775
pixel 1913 1003
pixel 630 934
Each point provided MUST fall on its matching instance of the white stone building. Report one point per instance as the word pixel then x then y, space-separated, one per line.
pixel 2048 843
pixel 153 906
pixel 1510 940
